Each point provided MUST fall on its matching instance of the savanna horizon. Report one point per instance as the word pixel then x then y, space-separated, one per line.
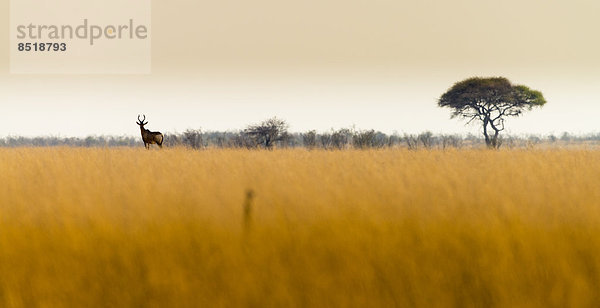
pixel 387 227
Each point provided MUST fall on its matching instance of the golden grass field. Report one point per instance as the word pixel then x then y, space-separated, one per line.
pixel 379 228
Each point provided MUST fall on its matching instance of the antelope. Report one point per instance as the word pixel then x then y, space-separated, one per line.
pixel 147 136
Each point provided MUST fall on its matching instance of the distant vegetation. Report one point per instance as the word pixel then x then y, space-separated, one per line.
pixel 345 138
pixel 90 141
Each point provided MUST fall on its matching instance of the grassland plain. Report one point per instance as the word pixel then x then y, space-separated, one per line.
pixel 456 228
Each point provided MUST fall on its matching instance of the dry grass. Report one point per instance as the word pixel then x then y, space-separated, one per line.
pixel 125 227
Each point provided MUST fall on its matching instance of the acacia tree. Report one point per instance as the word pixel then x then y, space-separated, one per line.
pixel 268 132
pixel 490 101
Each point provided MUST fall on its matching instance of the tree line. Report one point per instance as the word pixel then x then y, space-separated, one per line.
pixel 334 139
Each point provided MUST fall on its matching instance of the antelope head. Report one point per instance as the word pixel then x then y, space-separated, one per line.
pixel 141 122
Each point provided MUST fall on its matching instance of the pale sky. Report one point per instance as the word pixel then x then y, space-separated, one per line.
pixel 324 64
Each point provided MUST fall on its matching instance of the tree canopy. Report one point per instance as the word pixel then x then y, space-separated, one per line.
pixel 490 101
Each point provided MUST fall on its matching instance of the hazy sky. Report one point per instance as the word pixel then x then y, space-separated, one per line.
pixel 324 64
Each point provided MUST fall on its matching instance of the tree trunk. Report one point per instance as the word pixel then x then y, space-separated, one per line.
pixel 488 141
pixel 491 141
pixel 495 143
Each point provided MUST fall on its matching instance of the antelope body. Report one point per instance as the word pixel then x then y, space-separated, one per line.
pixel 147 136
